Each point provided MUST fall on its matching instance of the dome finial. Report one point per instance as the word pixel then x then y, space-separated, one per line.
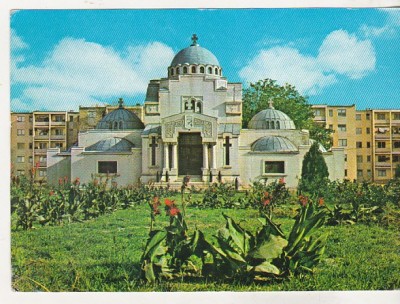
pixel 271 103
pixel 121 102
pixel 194 39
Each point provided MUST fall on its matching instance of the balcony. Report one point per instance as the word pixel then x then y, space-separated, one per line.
pixel 383 150
pixel 382 135
pixel 58 123
pixel 319 118
pixel 382 165
pixel 57 137
pixel 43 164
pixel 41 123
pixel 42 137
pixel 40 151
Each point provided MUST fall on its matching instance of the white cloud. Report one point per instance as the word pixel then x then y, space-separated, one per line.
pixel 388 29
pixel 343 53
pixel 16 42
pixel 78 72
pixel 340 54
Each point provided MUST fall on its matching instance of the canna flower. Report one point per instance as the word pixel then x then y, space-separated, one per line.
pixel 267 202
pixel 321 201
pixel 281 180
pixel 60 181
pixel 174 211
pixel 303 200
pixel 77 181
pixel 51 193
pixel 169 203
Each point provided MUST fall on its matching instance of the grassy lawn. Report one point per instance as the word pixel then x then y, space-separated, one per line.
pixel 104 255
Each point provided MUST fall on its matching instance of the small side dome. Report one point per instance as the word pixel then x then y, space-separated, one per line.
pixel 120 119
pixel 273 144
pixel 271 119
pixel 111 144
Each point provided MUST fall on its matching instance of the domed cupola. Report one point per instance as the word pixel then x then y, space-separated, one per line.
pixel 194 60
pixel 120 119
pixel 273 144
pixel 271 119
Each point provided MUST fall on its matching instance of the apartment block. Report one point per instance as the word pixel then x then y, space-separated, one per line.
pixel 21 143
pixel 371 139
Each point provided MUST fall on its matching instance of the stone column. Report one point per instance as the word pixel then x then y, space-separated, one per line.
pixel 175 156
pixel 214 157
pixel 205 156
pixel 166 157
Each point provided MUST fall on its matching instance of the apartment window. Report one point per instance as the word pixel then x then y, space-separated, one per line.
pixel 341 112
pixel 368 144
pixel 342 142
pixel 58 145
pixel 30 118
pixel 342 127
pixel 71 118
pixel 20 118
pixel 330 127
pixel 20 172
pixel 30 132
pixel 359 173
pixel 381 172
pixel 42 158
pixel 396 158
pixel 358 131
pixel 368 130
pixel 359 159
pixel 31 146
pixel 330 113
pixel 358 144
pixel 30 159
pixel 396 116
pixel 59 118
pixel 20 146
pixel 20 159
pixel 368 158
pixel 317 112
pixel 107 167
pixel 358 116
pixel 382 158
pixel 345 157
pixel 274 167
pixel 20 132
pixel 381 144
pixel 396 144
pixel 42 146
pixel 381 116
pixel 58 132
pixel 42 173
pixel 369 172
pixel 345 172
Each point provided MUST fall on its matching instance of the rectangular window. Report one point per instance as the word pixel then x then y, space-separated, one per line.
pixel 345 157
pixel 383 158
pixel 396 116
pixel 20 146
pixel 330 113
pixel 369 172
pixel 30 132
pixel 30 118
pixel 317 112
pixel 345 172
pixel 31 146
pixel 368 144
pixel 368 116
pixel 274 167
pixel 20 118
pixel 42 173
pixel 368 158
pixel 358 131
pixel 20 132
pixel 59 118
pixel 20 172
pixel 330 127
pixel 381 172
pixel 58 132
pixel 107 167
pixel 342 128
pixel 396 158
pixel 396 144
pixel 358 144
pixel 381 116
pixel 20 159
pixel 381 144
pixel 358 116
pixel 341 112
pixel 359 159
pixel 342 142
pixel 359 173
pixel 30 159
pixel 42 146
pixel 71 118
pixel 368 130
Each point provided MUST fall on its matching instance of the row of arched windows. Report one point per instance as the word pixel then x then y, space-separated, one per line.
pixel 116 125
pixel 272 125
pixel 194 70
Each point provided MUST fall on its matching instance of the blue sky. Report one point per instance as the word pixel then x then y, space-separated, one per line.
pixel 66 58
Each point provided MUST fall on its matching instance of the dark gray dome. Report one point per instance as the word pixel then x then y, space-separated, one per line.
pixel 111 144
pixel 195 54
pixel 271 119
pixel 275 144
pixel 120 119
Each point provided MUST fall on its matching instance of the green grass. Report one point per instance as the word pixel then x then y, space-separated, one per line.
pixel 104 254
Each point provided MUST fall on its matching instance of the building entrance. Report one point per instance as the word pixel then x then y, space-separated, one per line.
pixel 190 154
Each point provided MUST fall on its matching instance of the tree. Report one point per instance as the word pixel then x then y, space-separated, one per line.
pixel 397 172
pixel 286 99
pixel 314 173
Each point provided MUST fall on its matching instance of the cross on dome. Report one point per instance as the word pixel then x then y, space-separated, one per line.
pixel 120 102
pixel 194 39
pixel 271 103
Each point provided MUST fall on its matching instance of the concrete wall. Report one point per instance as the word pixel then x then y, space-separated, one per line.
pixel 58 166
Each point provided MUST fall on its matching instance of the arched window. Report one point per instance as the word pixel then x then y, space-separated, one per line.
pixel 185 70
pixel 202 70
pixel 220 72
pixel 209 70
pixel 172 72
pixel 177 71
pixel 278 126
pixel 115 125
pixel 121 125
pixel 193 104
pixel 198 109
pixel 110 125
pixel 267 125
pixel 193 69
pixel 272 125
pixel 216 71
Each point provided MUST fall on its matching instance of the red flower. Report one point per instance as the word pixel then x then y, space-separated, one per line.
pixel 60 181
pixel 303 200
pixel 77 181
pixel 169 203
pixel 321 201
pixel 282 180
pixel 267 202
pixel 51 193
pixel 174 211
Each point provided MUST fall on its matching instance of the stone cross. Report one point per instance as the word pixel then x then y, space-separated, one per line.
pixel 271 103
pixel 194 39
pixel 120 101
